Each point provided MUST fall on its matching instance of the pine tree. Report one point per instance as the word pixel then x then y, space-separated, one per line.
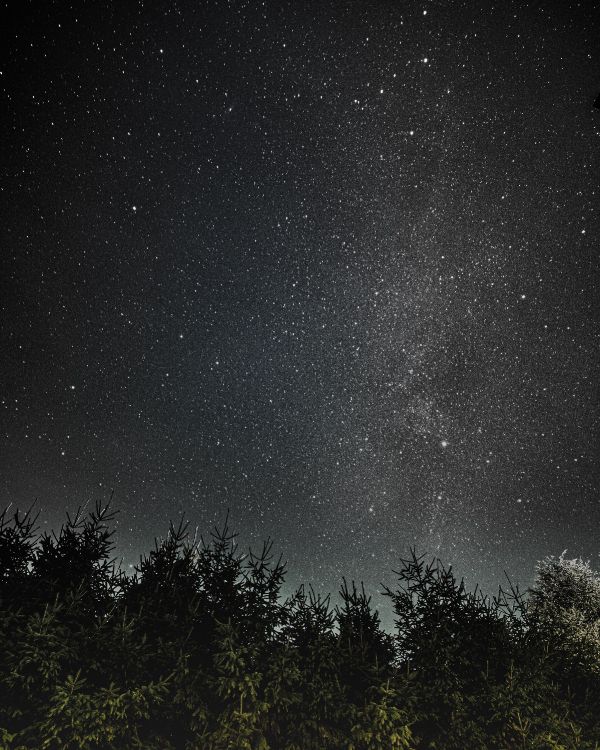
pixel 237 683
pixel 197 651
pixel 380 724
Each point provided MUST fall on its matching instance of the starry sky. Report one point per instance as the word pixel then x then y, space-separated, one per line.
pixel 331 265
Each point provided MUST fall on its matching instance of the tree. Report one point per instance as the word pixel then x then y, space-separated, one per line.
pixel 564 614
pixel 198 650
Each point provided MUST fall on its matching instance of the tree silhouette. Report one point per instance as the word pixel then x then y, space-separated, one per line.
pixel 198 649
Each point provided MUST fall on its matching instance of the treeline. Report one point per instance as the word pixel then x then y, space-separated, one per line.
pixel 199 651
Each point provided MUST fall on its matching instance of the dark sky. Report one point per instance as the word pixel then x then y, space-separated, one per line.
pixel 331 265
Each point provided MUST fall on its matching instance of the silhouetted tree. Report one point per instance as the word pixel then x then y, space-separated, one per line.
pixel 197 649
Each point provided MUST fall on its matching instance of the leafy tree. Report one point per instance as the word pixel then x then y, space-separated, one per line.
pixel 564 609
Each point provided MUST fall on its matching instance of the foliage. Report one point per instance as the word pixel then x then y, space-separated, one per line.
pixel 198 650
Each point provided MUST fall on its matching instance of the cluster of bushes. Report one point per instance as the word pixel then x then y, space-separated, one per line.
pixel 199 651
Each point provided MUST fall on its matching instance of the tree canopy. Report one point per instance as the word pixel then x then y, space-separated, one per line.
pixel 199 650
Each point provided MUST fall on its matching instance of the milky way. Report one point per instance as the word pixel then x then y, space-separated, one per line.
pixel 333 266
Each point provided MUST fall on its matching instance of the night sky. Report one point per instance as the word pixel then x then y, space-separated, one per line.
pixel 331 265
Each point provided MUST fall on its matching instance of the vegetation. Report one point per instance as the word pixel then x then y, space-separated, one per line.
pixel 198 651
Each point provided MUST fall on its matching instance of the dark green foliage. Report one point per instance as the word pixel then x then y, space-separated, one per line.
pixel 198 651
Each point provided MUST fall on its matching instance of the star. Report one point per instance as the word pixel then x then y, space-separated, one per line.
pixel 351 299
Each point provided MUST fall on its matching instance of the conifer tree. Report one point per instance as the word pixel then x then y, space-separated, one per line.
pixel 198 651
